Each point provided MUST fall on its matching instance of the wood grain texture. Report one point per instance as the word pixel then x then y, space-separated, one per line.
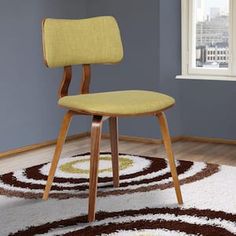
pixel 170 154
pixel 222 154
pixel 57 153
pixel 43 45
pixel 113 125
pixel 142 140
pixel 65 83
pixel 34 147
pixel 126 138
pixel 96 132
pixel 85 82
pixel 208 140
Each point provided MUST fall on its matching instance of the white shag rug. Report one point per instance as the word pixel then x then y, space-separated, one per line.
pixel 145 203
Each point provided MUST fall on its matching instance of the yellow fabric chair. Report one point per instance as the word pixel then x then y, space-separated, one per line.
pixel 97 41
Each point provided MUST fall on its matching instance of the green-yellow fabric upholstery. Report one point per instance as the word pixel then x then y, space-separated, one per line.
pixel 96 40
pixel 86 41
pixel 127 103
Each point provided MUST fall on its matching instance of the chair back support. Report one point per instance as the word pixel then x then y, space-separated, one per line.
pixel 94 40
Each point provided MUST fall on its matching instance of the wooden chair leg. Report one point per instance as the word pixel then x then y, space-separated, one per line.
pixel 60 141
pixel 167 143
pixel 114 139
pixel 96 132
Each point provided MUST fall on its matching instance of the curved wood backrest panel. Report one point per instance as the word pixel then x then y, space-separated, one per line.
pixel 84 86
pixel 65 83
pixel 67 76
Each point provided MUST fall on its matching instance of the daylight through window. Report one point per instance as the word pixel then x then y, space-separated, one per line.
pixel 212 33
pixel 208 37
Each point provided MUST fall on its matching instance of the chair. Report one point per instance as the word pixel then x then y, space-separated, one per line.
pixel 97 41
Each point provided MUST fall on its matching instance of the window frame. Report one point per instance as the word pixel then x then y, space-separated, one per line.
pixel 187 43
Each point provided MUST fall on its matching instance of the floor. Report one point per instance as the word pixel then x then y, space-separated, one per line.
pixel 194 151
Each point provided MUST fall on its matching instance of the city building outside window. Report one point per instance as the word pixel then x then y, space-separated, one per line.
pixel 209 39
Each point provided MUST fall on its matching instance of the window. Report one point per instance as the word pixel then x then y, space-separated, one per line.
pixel 209 39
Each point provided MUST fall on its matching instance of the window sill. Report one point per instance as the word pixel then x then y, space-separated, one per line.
pixel 206 77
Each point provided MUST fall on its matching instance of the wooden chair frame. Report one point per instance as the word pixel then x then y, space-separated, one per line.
pixel 96 131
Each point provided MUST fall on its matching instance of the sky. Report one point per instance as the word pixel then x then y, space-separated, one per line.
pixel 222 4
pixel 205 7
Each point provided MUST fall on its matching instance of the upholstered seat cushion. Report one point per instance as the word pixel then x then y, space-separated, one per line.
pixel 118 103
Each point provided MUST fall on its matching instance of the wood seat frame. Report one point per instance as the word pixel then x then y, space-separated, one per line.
pixel 96 131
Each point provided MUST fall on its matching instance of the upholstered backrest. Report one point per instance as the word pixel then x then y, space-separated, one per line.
pixel 86 41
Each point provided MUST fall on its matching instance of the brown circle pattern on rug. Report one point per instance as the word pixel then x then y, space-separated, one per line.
pixel 30 182
pixel 176 220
